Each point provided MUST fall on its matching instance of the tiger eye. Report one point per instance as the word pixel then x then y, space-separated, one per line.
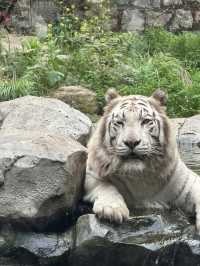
pixel 146 121
pixel 120 123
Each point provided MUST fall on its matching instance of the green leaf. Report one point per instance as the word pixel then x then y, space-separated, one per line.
pixel 54 77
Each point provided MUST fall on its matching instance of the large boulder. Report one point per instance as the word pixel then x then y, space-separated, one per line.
pixel 45 114
pixel 41 177
pixel 42 161
pixel 78 97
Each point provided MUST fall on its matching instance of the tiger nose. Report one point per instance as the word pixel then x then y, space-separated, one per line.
pixel 132 143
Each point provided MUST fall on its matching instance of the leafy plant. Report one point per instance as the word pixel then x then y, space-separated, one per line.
pixel 11 89
pixel 82 50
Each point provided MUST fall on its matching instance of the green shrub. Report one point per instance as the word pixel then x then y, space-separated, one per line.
pixel 184 46
pixel 84 51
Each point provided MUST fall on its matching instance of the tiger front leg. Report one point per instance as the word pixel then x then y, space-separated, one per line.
pixel 111 208
pixel 108 202
pixel 195 195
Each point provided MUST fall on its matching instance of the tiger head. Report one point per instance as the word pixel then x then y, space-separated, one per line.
pixel 136 126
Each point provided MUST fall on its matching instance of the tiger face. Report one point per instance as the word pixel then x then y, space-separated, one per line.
pixel 135 128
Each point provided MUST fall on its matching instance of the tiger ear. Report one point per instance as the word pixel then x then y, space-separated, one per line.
pixel 111 94
pixel 160 96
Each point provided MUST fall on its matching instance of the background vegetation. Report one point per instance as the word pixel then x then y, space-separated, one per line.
pixel 84 51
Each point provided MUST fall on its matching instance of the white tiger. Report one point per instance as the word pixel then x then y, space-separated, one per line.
pixel 133 160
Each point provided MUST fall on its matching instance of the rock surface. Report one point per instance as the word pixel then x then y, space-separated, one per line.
pixel 188 139
pixel 156 19
pixel 132 20
pixel 34 249
pixel 42 164
pixel 152 239
pixel 183 20
pixel 78 97
pixel 45 114
pixel 41 173
pixel 29 16
pixel 42 176
pixel 132 15
pixel 145 240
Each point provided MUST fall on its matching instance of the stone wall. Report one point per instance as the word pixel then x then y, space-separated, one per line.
pixel 33 15
pixel 175 15
pixel 128 15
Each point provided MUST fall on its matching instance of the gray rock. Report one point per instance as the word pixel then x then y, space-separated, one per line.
pixel 156 239
pixel 133 20
pixel 46 247
pixel 188 139
pixel 196 17
pixel 42 173
pixel 147 3
pixel 29 248
pixel 183 20
pixel 26 17
pixel 192 1
pixel 78 97
pixel 121 2
pixel 154 18
pixel 151 231
pixel 172 2
pixel 45 114
pixel 142 3
pixel 40 28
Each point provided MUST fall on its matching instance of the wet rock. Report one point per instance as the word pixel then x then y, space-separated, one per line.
pixel 45 114
pixel 47 248
pixel 78 97
pixel 188 139
pixel 19 248
pixel 156 239
pixel 43 174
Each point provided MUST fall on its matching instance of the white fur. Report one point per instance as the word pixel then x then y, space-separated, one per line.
pixel 116 185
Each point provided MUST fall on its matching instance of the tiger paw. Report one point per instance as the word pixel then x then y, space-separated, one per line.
pixel 114 211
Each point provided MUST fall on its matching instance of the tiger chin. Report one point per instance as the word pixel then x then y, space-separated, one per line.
pixel 133 160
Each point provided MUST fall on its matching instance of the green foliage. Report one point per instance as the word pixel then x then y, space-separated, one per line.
pixel 11 89
pixel 84 51
pixel 184 46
